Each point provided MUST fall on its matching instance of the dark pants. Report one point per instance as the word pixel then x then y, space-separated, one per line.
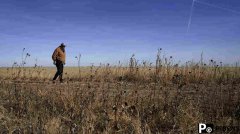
pixel 59 65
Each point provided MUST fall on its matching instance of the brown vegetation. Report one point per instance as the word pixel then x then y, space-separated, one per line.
pixel 140 98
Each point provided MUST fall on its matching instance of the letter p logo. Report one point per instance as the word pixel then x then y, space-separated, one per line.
pixel 201 127
pixel 205 128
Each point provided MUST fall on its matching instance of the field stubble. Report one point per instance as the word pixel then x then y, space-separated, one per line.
pixel 105 99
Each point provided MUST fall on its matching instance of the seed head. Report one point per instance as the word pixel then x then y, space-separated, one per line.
pixel 114 108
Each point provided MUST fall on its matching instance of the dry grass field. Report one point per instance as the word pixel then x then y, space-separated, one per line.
pixel 139 98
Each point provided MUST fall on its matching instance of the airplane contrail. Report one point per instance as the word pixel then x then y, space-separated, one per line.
pixel 212 5
pixel 208 4
pixel 191 14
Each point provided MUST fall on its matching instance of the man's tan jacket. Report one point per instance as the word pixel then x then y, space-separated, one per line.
pixel 58 54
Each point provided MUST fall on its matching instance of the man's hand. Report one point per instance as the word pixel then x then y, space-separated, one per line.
pixel 54 62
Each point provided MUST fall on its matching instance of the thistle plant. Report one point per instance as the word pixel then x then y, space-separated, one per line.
pixel 24 59
pixel 132 63
pixel 158 61
pixel 78 61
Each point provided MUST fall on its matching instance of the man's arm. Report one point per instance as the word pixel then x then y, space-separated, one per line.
pixel 54 56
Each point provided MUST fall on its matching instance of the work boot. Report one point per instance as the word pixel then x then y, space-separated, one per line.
pixel 53 81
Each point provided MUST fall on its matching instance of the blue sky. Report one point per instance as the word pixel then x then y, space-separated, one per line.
pixel 112 30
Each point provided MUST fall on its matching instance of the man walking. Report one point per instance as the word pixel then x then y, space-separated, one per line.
pixel 59 56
